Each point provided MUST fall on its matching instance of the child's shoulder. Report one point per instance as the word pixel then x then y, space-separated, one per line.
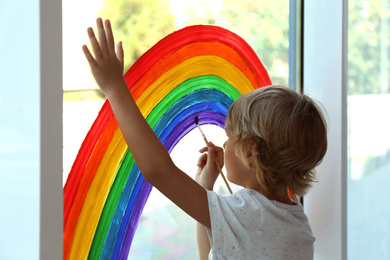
pixel 244 200
pixel 248 198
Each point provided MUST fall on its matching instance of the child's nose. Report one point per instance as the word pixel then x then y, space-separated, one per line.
pixel 224 145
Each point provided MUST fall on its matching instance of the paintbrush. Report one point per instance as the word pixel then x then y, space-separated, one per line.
pixel 216 162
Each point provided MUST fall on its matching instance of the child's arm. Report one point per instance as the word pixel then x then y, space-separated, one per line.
pixel 206 176
pixel 150 155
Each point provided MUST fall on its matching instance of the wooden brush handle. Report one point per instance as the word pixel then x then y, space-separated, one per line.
pixel 218 166
pixel 223 177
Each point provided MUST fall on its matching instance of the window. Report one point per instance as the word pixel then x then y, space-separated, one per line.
pixel 164 229
pixel 20 131
pixel 368 130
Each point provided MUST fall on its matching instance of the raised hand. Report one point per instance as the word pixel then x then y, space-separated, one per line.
pixel 149 153
pixel 106 64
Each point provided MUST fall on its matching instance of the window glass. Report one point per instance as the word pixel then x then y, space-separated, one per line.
pixel 164 231
pixel 20 129
pixel 368 130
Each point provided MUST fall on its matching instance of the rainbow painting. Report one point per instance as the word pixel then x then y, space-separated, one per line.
pixel 196 71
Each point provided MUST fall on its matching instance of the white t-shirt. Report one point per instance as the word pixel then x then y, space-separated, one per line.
pixel 247 225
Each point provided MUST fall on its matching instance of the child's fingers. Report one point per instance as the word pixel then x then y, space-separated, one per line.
pixel 216 153
pixel 202 160
pixel 95 44
pixel 217 149
pixel 211 156
pixel 102 36
pixel 89 56
pixel 119 52
pixel 204 149
pixel 211 144
pixel 109 36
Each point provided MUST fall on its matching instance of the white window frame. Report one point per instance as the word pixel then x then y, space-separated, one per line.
pixel 41 46
pixel 325 79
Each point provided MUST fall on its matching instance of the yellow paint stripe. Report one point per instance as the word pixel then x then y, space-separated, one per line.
pixel 105 175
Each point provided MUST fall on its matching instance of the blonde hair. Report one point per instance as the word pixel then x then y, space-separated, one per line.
pixel 286 135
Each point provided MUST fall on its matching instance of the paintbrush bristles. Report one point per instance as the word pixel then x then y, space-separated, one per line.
pixel 200 129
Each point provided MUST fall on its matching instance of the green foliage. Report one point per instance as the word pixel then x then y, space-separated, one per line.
pixel 368 49
pixel 138 24
pixel 82 95
pixel 264 25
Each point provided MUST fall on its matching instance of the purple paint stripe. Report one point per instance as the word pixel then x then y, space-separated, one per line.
pixel 185 126
pixel 134 219
pixel 205 117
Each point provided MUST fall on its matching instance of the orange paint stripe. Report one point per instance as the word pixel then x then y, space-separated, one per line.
pixel 156 71
pixel 86 180
pixel 187 52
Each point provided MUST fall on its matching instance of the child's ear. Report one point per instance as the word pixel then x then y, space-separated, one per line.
pixel 250 154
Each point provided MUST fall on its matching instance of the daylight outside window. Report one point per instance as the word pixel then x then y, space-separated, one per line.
pixel 164 231
pixel 368 130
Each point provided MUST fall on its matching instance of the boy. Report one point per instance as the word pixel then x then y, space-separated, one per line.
pixel 275 139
